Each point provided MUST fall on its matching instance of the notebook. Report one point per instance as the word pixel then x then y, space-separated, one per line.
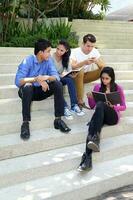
pixel 113 97
pixel 72 71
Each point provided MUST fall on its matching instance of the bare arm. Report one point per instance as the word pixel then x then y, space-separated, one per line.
pixel 76 65
pixel 27 80
pixel 99 62
pixel 45 78
pixel 37 79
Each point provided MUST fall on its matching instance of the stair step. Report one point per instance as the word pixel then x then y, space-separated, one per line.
pixel 126 84
pixel 51 162
pixel 120 73
pixel 9 79
pixel 14 105
pixel 41 140
pixel 107 36
pixel 8 68
pixel 99 31
pixel 16 102
pixel 121 65
pixel 117 58
pixel 102 45
pixel 11 91
pixel 16 51
pixel 86 25
pixel 10 123
pixel 48 160
pixel 100 27
pixel 108 58
pixel 12 68
pixel 48 138
pixel 114 35
pixel 116 51
pixel 106 175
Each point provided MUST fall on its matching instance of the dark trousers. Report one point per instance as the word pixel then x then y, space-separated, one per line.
pixel 103 114
pixel 67 80
pixel 29 93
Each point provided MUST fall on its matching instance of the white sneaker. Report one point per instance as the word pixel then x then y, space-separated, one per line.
pixel 67 113
pixel 75 109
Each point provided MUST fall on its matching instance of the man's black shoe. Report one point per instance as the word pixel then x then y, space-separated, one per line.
pixel 94 143
pixel 60 124
pixel 25 131
pixel 86 164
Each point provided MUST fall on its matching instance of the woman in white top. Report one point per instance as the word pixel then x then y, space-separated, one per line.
pixel 61 61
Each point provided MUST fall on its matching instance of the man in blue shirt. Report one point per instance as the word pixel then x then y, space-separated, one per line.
pixel 38 79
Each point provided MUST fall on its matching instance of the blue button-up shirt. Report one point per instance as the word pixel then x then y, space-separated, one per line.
pixel 31 67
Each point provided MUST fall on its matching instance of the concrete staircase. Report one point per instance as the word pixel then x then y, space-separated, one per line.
pixel 45 166
pixel 109 34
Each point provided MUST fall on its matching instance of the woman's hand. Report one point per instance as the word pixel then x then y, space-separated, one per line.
pixel 63 73
pixel 109 104
pixel 74 74
pixel 89 94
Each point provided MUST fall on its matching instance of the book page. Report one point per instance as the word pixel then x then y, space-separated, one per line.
pixel 72 71
pixel 114 97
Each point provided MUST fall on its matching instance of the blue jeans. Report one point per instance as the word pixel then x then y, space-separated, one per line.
pixel 71 89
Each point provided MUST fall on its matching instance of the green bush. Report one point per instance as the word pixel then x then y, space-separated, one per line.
pixel 26 37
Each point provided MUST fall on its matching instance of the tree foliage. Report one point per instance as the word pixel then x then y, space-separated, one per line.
pixel 79 9
pixel 10 10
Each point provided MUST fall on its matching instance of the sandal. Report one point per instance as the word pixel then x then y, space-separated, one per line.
pixel 82 105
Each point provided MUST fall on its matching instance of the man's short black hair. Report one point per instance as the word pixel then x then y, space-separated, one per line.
pixel 41 45
pixel 90 38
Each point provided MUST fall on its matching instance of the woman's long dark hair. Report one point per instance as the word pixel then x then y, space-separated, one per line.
pixel 111 74
pixel 66 55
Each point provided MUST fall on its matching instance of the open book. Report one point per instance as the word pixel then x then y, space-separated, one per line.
pixel 72 71
pixel 113 97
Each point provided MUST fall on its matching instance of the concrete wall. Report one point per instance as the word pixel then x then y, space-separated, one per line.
pixel 48 21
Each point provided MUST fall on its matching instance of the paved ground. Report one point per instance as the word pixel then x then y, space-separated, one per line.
pixel 124 193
